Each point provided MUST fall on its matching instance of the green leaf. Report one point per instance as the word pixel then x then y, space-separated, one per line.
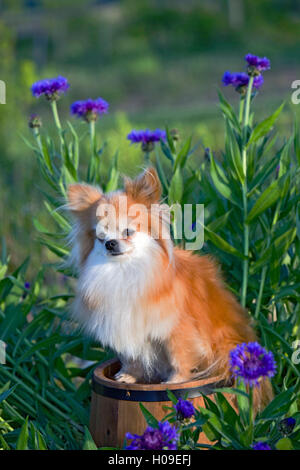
pixel 56 249
pixel 14 318
pixel 176 188
pixel 61 221
pixel 222 186
pixel 228 111
pixel 265 126
pixel 41 442
pixel 246 437
pixel 167 152
pixel 75 145
pixel 183 154
pixel 45 343
pixel 69 164
pixel 267 199
pixel 279 244
pixel 160 171
pixel 243 402
pixel 228 411
pixel 210 432
pixel 284 444
pixel 170 140
pixel 150 419
pixel 222 244
pixel 235 153
pixel 219 222
pixel 172 397
pixel 22 442
pixel 279 406
pixel 114 175
pixel 89 443
pixel 46 155
pixel 5 395
pixel 297 140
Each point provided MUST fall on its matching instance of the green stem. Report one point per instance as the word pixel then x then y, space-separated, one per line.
pixel 92 169
pixel 241 109
pixel 37 135
pixel 33 382
pixel 42 400
pixel 245 191
pixel 55 115
pixel 92 138
pixel 64 381
pixel 261 290
pixel 147 157
pixel 57 124
pixel 248 101
pixel 265 268
pixel 251 410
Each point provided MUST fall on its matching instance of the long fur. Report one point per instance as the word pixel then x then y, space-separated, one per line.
pixel 164 310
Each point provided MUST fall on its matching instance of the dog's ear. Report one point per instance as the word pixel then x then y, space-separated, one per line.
pixel 82 196
pixel 146 188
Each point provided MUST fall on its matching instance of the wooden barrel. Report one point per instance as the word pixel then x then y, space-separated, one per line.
pixel 115 406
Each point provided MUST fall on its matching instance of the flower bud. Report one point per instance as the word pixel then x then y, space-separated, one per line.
pixel 174 134
pixel 147 146
pixel 34 121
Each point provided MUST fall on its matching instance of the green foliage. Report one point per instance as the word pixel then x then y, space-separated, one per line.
pixel 251 197
pixel 44 384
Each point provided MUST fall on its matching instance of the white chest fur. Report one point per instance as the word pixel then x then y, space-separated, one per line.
pixel 111 308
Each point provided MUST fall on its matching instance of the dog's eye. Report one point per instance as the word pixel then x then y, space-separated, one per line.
pixel 128 232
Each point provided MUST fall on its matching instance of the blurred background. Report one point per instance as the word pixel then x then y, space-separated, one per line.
pixel 155 62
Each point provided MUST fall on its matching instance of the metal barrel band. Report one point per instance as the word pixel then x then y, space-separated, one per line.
pixel 152 395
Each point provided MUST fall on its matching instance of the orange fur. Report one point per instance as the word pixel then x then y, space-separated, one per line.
pixel 208 320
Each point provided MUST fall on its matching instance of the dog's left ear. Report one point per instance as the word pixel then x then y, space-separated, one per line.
pixel 146 188
pixel 82 196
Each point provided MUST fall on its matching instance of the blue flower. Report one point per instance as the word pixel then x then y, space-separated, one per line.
pixel 240 80
pixel 261 446
pixel 251 362
pixel 89 109
pixel 287 425
pixel 256 64
pixel 146 137
pixel 163 437
pixel 184 408
pixel 52 88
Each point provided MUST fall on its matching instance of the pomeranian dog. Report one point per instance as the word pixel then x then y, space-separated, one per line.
pixel 164 310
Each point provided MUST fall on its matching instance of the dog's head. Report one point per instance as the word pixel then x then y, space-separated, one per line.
pixel 121 225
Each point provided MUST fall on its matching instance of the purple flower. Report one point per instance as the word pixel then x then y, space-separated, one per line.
pixel 287 425
pixel 27 286
pixel 146 137
pixel 256 64
pixel 163 437
pixel 261 446
pixel 251 362
pixel 240 80
pixel 89 109
pixel 52 88
pixel 184 408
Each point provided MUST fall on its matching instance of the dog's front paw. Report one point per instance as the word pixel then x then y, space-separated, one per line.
pixel 124 377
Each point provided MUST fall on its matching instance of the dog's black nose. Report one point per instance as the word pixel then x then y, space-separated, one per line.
pixel 112 245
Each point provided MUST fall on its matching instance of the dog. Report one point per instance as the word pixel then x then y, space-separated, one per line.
pixel 164 310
